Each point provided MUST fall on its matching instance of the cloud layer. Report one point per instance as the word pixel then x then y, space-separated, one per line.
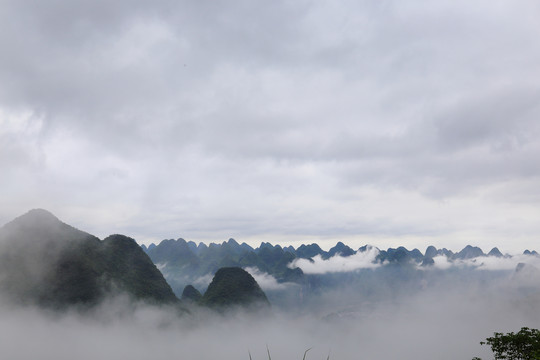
pixel 266 281
pixel 437 324
pixel 352 120
pixel 338 263
pixel 487 262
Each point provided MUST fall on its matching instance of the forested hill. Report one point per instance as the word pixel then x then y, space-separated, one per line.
pixel 47 262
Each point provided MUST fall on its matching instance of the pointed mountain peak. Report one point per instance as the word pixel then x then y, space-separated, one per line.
pixel 290 249
pixel 341 249
pixel 41 213
pixel 191 294
pixel 233 286
pixel 366 247
pixel 470 252
pixel 39 225
pixel 495 252
pixel 37 217
pixel 431 251
pixel 246 247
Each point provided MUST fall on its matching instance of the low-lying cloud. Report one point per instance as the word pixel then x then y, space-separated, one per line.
pixel 368 260
pixel 487 262
pixel 442 324
pixel 338 263
pixel 265 280
pixel 203 281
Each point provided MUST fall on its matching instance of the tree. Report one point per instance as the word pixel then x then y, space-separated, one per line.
pixel 523 345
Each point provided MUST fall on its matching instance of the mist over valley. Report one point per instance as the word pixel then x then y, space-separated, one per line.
pixel 345 303
pixel 269 180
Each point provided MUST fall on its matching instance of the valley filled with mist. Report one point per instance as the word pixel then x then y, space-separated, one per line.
pixel 252 180
pixel 343 303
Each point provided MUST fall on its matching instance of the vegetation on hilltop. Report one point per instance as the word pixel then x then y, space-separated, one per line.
pixel 523 345
pixel 233 286
pixel 49 263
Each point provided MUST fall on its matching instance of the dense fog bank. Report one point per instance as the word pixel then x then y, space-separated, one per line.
pixel 434 324
pixel 395 307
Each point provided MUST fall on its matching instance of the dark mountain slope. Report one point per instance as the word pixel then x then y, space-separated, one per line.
pixel 233 286
pixel 340 249
pixel 469 252
pixel 185 262
pixel 174 252
pixel 47 262
pixel 190 294
pixel 132 271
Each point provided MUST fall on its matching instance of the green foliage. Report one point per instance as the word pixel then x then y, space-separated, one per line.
pixel 131 270
pixel 523 345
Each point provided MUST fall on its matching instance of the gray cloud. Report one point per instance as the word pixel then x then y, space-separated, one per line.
pixel 246 120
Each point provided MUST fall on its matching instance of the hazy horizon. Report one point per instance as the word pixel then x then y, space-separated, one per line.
pixel 327 244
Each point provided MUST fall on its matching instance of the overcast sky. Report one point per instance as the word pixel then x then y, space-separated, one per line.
pixel 384 122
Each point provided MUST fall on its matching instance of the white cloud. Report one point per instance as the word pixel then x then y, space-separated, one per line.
pixel 442 262
pixel 129 331
pixel 487 262
pixel 338 263
pixel 265 280
pixel 203 281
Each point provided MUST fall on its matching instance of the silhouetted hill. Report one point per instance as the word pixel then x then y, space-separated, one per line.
pixel 495 252
pixel 400 255
pixel 233 286
pixel 185 262
pixel 469 252
pixel 309 251
pixel 393 268
pixel 526 275
pixel 132 271
pixel 431 252
pixel 340 249
pixel 174 252
pixel 45 261
pixel 190 294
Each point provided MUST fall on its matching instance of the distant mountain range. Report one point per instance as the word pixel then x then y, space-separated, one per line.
pixel 275 259
pixel 47 262
pixel 396 269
